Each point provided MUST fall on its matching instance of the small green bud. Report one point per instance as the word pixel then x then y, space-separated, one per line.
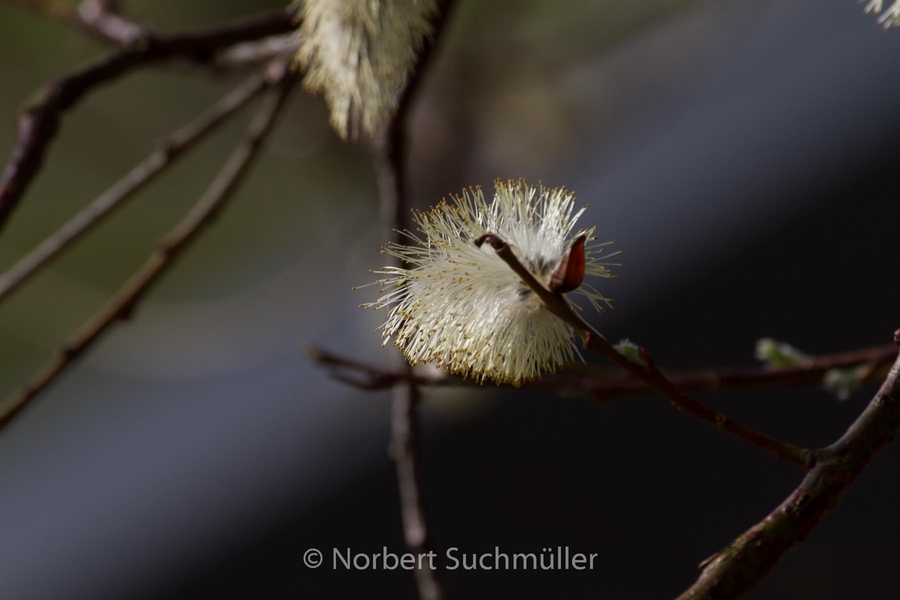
pixel 779 354
pixel 843 382
pixel 631 351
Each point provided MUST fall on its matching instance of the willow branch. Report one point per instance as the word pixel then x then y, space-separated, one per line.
pixel 390 166
pixel 40 118
pixel 740 566
pixel 404 447
pixel 103 19
pixel 647 372
pixel 606 385
pixel 201 215
pixel 168 151
pixel 250 53
pixel 100 18
pixel 811 372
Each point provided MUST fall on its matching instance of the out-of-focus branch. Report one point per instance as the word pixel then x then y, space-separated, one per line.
pixel 100 18
pixel 605 385
pixel 250 53
pixel 103 19
pixel 745 561
pixel 166 154
pixel 201 215
pixel 390 166
pixel 404 448
pixel 647 371
pixel 40 118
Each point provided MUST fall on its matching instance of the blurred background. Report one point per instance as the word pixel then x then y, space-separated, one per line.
pixel 742 154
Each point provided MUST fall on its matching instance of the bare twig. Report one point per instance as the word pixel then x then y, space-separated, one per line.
pixel 390 165
pixel 608 385
pixel 647 372
pixel 40 119
pixel 103 19
pixel 98 17
pixel 166 154
pixel 390 168
pixel 811 372
pixel 249 53
pixel 404 448
pixel 736 569
pixel 201 215
pixel 372 377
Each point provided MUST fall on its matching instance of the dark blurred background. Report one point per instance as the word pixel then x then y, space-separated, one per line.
pixel 742 154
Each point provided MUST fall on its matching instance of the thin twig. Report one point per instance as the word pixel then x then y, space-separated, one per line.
pixel 749 558
pixel 39 121
pixel 647 372
pixel 103 19
pixel 201 215
pixel 100 18
pixel 166 154
pixel 404 446
pixel 607 385
pixel 708 380
pixel 250 53
pixel 390 165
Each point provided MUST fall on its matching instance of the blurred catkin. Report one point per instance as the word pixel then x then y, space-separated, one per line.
pixel 358 55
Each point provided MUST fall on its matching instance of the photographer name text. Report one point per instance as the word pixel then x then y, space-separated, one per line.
pixel 558 558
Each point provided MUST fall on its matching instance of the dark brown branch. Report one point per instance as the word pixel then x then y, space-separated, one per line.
pixel 123 302
pixel 607 385
pixel 166 154
pixel 390 165
pixel 647 372
pixel 714 379
pixel 740 566
pixel 40 118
